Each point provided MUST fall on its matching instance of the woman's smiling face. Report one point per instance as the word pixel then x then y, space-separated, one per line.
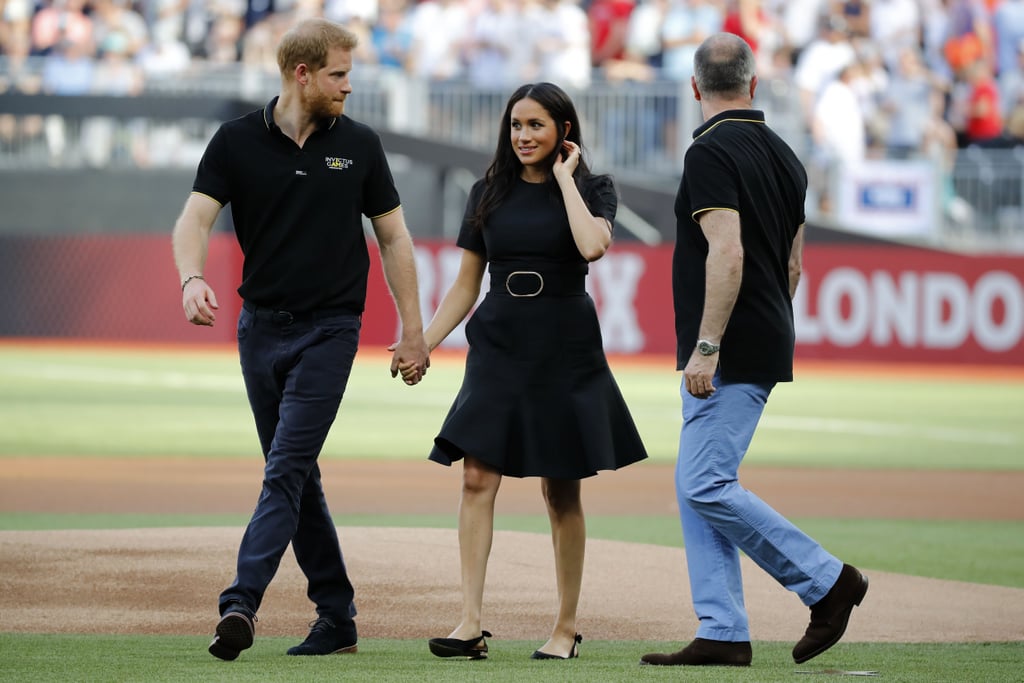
pixel 534 137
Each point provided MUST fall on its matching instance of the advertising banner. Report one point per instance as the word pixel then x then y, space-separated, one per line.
pixel 873 302
pixel 876 303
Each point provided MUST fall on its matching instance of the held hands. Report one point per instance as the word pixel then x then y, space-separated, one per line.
pixel 698 374
pixel 411 358
pixel 199 302
pixel 566 161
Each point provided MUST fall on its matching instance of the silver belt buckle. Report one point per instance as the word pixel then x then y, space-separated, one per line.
pixel 508 279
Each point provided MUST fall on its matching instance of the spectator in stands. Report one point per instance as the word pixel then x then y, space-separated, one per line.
pixel 492 58
pixel 165 56
pixel 639 135
pixel 223 43
pixel 118 18
pixel 15 20
pixel 18 77
pixel 895 25
pixel 257 11
pixel 69 68
pixel 1011 82
pixel 911 101
pixel 821 61
pixel 437 54
pixel 799 24
pixel 1008 20
pixel 561 43
pixel 259 43
pixel 197 21
pixel 687 24
pixel 869 85
pixel 165 17
pixel 116 74
pixel 357 16
pixel 746 19
pixel 984 115
pixel 1015 119
pixel 366 12
pixel 643 35
pixel 856 13
pixel 391 36
pixel 60 22
pixel 934 31
pixel 968 36
pixel 609 25
pixel 838 131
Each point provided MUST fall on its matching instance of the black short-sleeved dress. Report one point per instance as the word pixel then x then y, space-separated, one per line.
pixel 537 398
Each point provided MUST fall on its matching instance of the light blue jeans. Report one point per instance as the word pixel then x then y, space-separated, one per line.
pixel 719 517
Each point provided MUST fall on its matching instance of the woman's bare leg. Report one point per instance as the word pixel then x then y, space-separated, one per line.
pixel 569 537
pixel 480 484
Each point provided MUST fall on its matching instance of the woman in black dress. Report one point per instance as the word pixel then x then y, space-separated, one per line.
pixel 538 398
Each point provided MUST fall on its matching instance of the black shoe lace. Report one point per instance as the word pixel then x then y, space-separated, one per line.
pixel 321 625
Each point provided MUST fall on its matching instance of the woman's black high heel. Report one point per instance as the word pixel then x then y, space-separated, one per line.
pixel 453 647
pixel 573 653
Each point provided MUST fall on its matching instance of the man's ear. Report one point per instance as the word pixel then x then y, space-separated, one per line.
pixel 753 86
pixel 693 84
pixel 302 74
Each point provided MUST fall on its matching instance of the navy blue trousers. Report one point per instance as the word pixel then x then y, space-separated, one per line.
pixel 295 370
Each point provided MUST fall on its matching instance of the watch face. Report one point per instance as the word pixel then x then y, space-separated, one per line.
pixel 707 348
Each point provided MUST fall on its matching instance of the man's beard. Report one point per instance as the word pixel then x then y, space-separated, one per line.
pixel 320 106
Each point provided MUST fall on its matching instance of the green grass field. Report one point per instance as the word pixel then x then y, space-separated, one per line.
pixel 58 401
pixel 67 402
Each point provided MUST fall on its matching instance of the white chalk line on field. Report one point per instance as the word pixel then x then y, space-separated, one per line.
pixel 193 381
pixel 108 376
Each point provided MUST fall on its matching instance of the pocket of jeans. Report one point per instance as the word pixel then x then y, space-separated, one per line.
pixel 244 324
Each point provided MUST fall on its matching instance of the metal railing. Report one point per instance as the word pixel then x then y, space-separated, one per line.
pixel 635 130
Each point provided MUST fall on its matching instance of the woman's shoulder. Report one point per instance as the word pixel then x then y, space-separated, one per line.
pixel 599 185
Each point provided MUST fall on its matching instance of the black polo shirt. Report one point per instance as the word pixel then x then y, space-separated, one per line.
pixel 297 212
pixel 737 163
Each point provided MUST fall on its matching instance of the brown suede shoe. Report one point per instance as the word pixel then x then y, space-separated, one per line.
pixel 831 614
pixel 703 652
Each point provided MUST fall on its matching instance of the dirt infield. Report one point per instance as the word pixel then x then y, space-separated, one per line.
pixel 407 579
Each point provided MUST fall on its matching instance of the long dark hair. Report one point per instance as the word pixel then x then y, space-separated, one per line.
pixel 505 167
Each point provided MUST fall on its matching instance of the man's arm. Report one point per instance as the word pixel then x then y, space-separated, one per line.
pixel 190 242
pixel 396 255
pixel 796 261
pixel 723 275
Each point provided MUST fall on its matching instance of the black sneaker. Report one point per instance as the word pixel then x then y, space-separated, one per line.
pixel 235 632
pixel 326 638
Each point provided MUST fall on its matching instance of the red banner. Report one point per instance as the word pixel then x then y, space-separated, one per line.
pixel 865 303
pixel 854 302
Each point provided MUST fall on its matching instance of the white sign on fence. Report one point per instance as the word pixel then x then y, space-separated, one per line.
pixel 888 198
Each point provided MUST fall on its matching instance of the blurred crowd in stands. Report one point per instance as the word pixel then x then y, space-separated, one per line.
pixel 910 77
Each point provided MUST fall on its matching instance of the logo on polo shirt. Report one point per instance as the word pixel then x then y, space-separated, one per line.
pixel 337 163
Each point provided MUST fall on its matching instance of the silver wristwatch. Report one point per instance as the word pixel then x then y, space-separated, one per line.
pixel 706 348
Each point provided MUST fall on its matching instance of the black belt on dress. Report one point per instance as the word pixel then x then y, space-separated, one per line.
pixel 531 281
pixel 288 317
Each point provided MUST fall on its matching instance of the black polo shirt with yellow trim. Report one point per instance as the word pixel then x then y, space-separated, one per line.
pixel 737 163
pixel 297 211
